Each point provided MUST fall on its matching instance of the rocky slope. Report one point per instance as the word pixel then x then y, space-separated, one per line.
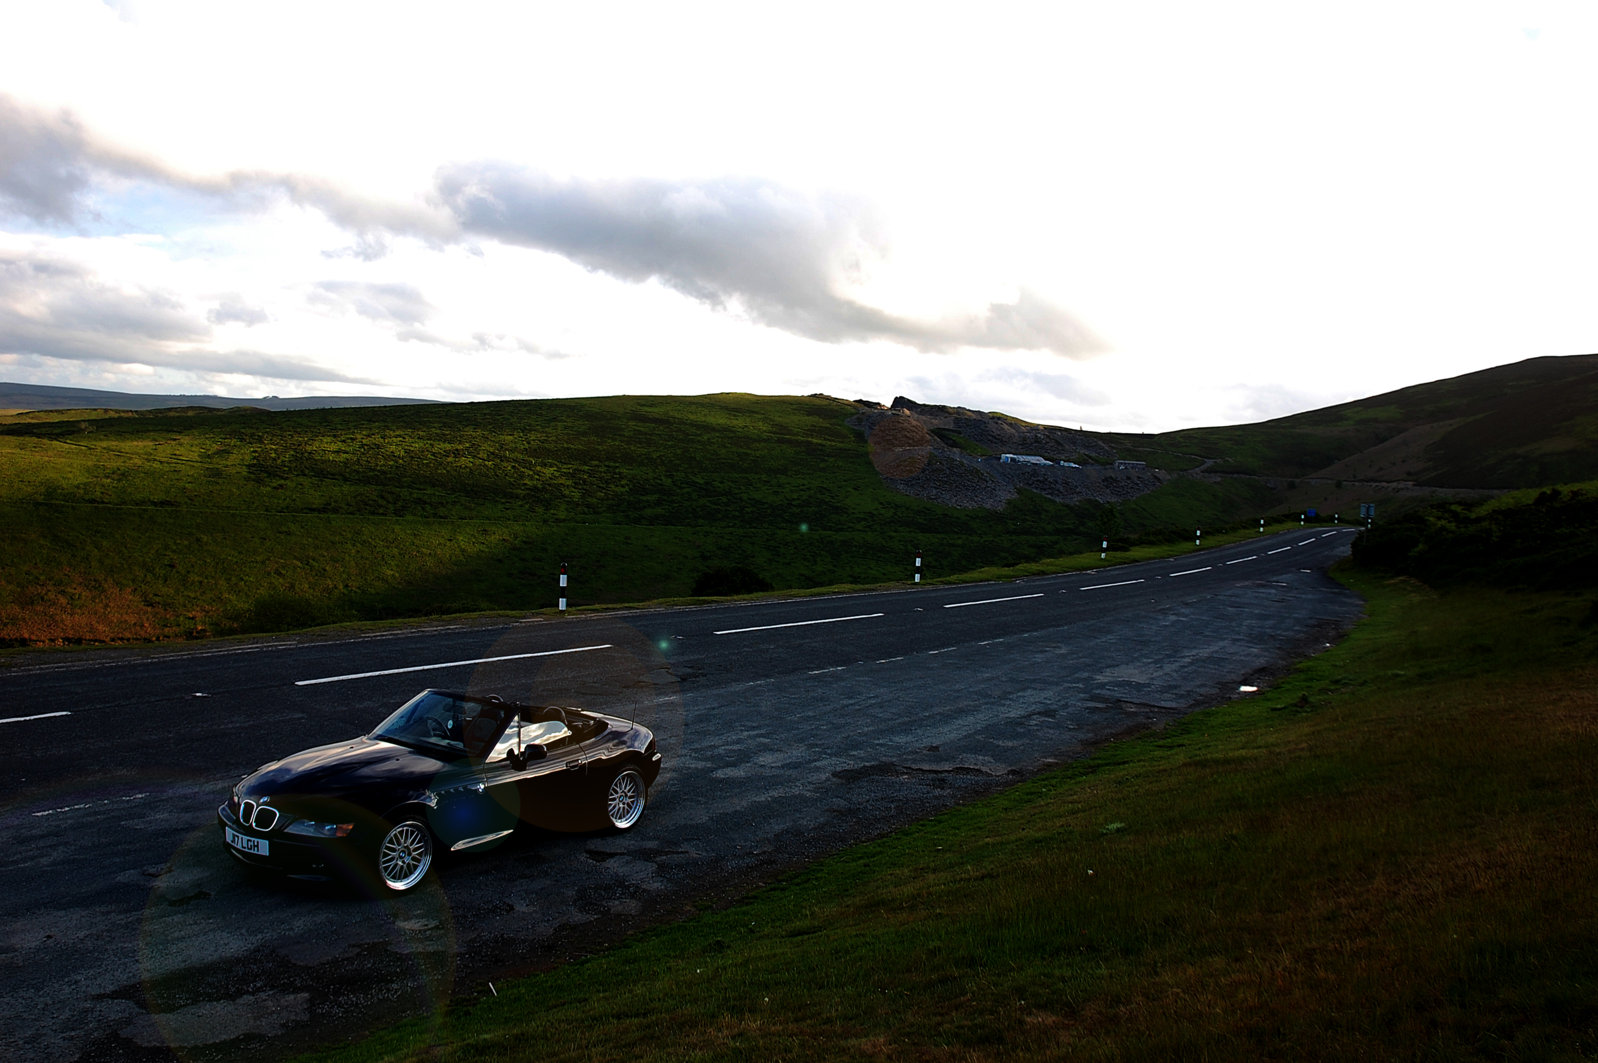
pixel 951 456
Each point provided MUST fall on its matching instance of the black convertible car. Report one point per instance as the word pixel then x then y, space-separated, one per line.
pixel 446 772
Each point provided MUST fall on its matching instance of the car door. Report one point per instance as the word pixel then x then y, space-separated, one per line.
pixel 469 806
pixel 476 800
pixel 562 794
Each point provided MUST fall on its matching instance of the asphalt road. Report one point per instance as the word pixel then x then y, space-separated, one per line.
pixel 789 728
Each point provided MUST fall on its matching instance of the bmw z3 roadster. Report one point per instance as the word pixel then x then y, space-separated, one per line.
pixel 445 773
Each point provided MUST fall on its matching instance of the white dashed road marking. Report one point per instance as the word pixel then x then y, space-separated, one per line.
pixel 445 664
pixel 992 601
pixel 800 623
pixel 41 716
pixel 90 804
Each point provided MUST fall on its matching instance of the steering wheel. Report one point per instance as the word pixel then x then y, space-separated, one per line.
pixel 436 728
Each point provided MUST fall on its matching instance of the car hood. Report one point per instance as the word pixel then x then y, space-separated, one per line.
pixel 343 768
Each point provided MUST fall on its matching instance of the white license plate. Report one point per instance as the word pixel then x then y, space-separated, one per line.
pixel 246 844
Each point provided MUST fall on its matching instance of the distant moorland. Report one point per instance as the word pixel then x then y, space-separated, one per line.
pixel 48 397
pixel 193 521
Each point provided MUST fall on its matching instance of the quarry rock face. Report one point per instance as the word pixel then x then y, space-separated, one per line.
pixel 915 448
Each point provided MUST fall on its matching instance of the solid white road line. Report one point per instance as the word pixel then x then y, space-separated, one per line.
pixel 1101 586
pixel 799 623
pixel 41 716
pixel 992 601
pixel 445 664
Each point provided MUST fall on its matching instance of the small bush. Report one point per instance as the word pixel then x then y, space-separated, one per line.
pixel 730 579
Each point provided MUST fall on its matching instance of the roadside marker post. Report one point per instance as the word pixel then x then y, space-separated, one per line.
pixel 1104 546
pixel 1197 535
pixel 563 588
pixel 1262 525
pixel 918 566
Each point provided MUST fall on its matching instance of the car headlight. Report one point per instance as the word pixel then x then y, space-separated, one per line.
pixel 318 829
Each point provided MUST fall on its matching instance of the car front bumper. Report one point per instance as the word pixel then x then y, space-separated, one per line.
pixel 295 855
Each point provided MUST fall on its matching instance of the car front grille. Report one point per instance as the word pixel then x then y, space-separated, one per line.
pixel 260 817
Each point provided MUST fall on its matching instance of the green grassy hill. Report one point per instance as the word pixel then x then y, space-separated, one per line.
pixel 189 522
pixel 171 523
pixel 1528 424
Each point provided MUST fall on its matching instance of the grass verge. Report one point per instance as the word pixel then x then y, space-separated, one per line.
pixel 1389 855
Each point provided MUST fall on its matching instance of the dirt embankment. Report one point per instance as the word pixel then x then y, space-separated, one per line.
pixel 914 448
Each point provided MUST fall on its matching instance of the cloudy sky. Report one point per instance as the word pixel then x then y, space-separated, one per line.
pixel 1135 216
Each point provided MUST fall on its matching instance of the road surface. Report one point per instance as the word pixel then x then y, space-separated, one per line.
pixel 790 729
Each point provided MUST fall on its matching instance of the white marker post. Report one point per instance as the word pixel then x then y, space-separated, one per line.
pixel 1104 546
pixel 1197 535
pixel 1262 525
pixel 563 588
pixel 918 566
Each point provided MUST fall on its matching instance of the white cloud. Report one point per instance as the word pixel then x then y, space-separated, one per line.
pixel 1246 207
pixel 233 307
pixel 781 258
pixel 389 303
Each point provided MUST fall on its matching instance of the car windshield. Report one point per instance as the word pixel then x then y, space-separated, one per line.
pixel 449 722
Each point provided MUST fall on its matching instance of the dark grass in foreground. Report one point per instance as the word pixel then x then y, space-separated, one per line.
pixel 1391 855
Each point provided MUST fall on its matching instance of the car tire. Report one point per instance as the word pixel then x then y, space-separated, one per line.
pixel 404 855
pixel 625 798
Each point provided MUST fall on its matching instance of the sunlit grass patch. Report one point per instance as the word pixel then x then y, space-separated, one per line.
pixel 245 521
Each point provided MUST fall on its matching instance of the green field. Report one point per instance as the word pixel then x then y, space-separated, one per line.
pixel 182 524
pixel 160 525
pixel 1393 854
pixel 187 523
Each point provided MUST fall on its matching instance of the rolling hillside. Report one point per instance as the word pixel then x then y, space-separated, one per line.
pixel 190 522
pixel 45 397
pixel 160 524
pixel 1528 424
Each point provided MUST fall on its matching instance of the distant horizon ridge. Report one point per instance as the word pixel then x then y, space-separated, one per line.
pixel 43 397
